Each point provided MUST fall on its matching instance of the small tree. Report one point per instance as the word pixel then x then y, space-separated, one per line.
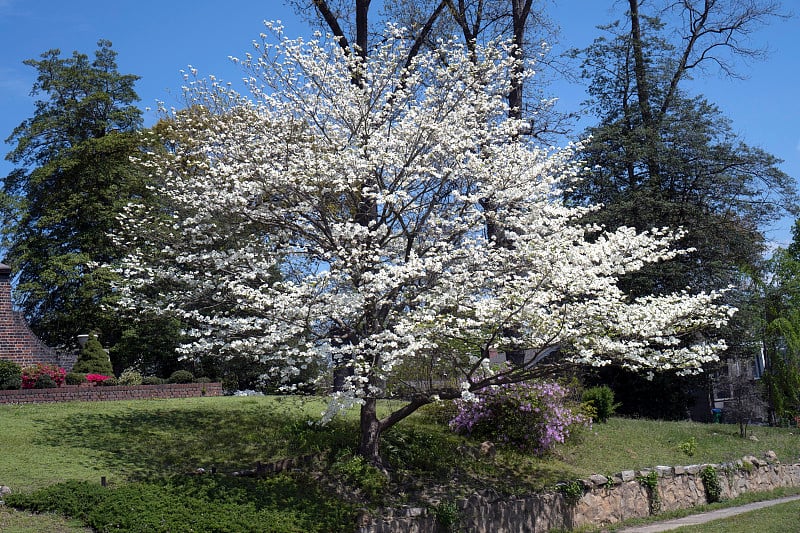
pixel 93 359
pixel 747 397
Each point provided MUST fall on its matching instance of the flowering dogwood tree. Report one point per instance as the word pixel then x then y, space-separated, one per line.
pixel 337 218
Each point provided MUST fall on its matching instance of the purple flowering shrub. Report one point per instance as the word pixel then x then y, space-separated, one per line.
pixel 533 416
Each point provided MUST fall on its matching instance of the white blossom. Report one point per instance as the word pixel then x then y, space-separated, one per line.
pixel 326 221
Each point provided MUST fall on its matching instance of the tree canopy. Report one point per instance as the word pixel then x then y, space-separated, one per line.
pixel 367 198
pixel 73 172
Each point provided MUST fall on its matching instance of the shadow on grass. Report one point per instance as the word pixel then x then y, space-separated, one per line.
pixel 142 443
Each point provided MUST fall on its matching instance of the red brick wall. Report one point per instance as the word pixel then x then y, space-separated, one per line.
pixel 100 393
pixel 17 341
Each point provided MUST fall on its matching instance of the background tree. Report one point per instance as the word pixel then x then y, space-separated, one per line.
pixel 662 158
pixel 522 23
pixel 781 332
pixel 367 199
pixel 73 173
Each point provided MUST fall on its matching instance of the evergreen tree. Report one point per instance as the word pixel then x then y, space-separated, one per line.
pixel 93 359
pixel 660 157
pixel 73 174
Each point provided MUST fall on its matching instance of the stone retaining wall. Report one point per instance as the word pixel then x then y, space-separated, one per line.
pixel 80 393
pixel 605 500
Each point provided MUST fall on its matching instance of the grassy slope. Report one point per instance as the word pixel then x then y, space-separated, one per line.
pixel 48 443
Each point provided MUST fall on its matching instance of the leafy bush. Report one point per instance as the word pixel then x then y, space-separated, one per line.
pixel 355 471
pixel 130 376
pixel 93 359
pixel 152 380
pixel 75 378
pixel 281 504
pixel 10 375
pixel 96 378
pixel 409 448
pixel 110 381
pixel 181 376
pixel 50 376
pixel 441 412
pixel 202 380
pixel 531 416
pixel 602 400
pixel 45 382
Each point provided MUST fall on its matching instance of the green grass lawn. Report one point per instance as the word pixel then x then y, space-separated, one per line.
pixel 41 445
pixel 782 518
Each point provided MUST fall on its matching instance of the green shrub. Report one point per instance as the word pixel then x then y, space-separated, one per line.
pixel 711 483
pixel 75 378
pixel 10 375
pixel 130 376
pixel 602 400
pixel 93 359
pixel 202 380
pixel 441 412
pixel 45 382
pixel 181 376
pixel 280 504
pixel 355 471
pixel 110 382
pixel 152 380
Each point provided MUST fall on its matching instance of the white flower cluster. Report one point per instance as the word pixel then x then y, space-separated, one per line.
pixel 339 219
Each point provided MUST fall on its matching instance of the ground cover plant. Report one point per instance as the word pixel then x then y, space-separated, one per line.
pixel 145 449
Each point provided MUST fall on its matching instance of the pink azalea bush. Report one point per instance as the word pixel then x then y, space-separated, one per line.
pixel 96 378
pixel 32 374
pixel 533 416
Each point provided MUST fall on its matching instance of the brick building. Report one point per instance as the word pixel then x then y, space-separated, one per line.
pixel 17 342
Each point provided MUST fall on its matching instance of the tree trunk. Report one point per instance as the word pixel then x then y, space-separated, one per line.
pixel 369 446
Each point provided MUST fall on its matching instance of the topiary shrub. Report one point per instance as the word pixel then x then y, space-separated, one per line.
pixel 75 378
pixel 532 416
pixel 202 380
pixel 152 380
pixel 10 375
pixel 93 359
pixel 181 376
pixel 130 376
pixel 602 400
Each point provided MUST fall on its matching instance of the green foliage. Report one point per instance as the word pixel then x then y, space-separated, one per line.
pixel 711 483
pixel 441 412
pixel 45 382
pixel 75 378
pixel 110 382
pixel 689 447
pixel 130 377
pixel 10 375
pixel 650 481
pixel 281 504
pixel 153 380
pixel 572 491
pixel 602 400
pixel 73 175
pixel 355 471
pixel 181 376
pixel 412 449
pixel 93 359
pixel 447 516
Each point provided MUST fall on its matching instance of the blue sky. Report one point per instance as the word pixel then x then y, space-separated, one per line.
pixel 158 39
